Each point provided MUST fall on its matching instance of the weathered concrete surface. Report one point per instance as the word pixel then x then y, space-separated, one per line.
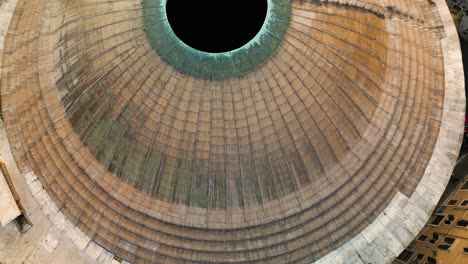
pixel 395 228
pixel 48 241
pixel 44 242
pixel 6 12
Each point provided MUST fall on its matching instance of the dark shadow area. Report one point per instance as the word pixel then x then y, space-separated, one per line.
pixel 23 223
pixel 464 49
pixel 216 26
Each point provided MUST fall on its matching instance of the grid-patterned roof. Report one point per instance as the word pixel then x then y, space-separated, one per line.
pixel 283 162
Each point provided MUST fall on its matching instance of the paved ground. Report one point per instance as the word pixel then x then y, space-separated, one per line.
pixel 43 243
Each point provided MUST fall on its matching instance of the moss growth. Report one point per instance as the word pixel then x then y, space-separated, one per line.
pixel 240 191
pixel 184 182
pixel 221 193
pixel 150 171
pixel 199 195
pixel 97 134
pixel 135 164
pixel 84 122
pixel 108 143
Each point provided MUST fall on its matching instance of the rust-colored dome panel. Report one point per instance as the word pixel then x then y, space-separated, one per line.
pixel 237 142
pixel 278 157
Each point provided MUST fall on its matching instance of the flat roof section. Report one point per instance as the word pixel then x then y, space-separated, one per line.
pixel 8 208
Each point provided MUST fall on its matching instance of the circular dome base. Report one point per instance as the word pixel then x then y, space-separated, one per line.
pixel 331 134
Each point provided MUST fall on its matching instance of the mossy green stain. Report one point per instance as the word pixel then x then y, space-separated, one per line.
pixel 240 191
pixel 221 193
pixel 112 140
pixel 134 165
pixel 215 65
pixel 107 146
pixel 184 182
pixel 150 171
pixel 97 134
pixel 199 196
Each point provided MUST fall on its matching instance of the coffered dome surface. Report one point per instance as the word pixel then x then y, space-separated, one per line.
pixel 280 151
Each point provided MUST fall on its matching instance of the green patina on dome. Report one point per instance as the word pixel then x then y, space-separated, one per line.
pixel 215 65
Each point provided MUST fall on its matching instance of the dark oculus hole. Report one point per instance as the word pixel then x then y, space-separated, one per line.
pixel 216 26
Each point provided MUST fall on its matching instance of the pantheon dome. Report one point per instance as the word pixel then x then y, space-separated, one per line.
pixel 327 136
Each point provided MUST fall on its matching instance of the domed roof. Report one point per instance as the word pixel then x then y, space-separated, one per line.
pixel 282 150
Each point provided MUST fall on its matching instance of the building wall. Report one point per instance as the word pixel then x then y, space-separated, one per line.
pixel 445 236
